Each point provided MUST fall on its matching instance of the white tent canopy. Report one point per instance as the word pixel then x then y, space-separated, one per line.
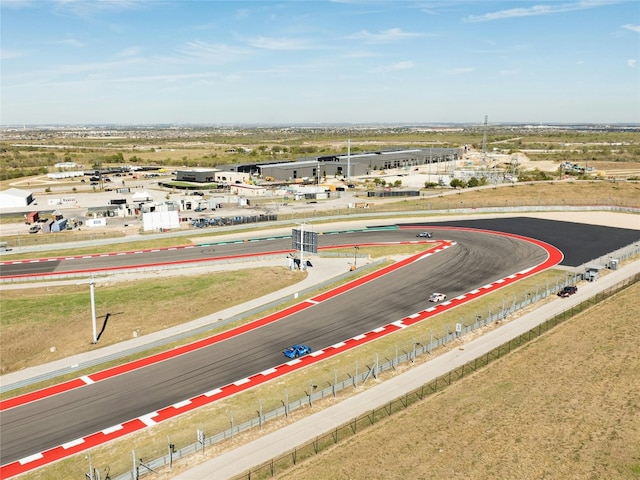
pixel 160 220
pixel 141 197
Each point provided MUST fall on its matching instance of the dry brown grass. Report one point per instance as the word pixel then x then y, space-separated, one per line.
pixel 36 319
pixel 214 418
pixel 152 442
pixel 565 406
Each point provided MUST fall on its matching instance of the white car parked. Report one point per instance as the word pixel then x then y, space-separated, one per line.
pixel 437 297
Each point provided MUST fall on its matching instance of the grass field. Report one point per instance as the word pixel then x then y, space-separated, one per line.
pixel 35 320
pixel 565 406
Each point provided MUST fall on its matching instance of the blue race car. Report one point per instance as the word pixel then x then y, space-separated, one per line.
pixel 297 351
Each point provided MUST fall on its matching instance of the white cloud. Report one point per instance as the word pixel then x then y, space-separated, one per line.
pixel 385 36
pixel 128 52
pixel 279 44
pixel 632 63
pixel 360 54
pixel 508 72
pixel 633 28
pixel 537 10
pixel 10 54
pixel 84 8
pixel 404 65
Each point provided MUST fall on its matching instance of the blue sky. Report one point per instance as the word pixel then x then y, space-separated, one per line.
pixel 309 62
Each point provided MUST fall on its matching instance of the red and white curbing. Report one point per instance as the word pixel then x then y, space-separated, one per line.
pixel 153 418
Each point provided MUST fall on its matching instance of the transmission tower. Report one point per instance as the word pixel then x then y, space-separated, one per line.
pixel 484 136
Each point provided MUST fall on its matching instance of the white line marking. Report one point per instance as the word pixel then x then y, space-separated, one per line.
pixel 73 443
pixel 148 419
pixel 268 372
pixel 31 458
pixel 241 382
pixel 181 404
pixel 213 392
pixel 110 430
pixel 86 380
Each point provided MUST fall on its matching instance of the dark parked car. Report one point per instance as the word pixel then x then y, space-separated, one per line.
pixel 567 291
pixel 297 351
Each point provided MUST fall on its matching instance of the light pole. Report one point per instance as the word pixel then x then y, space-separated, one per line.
pixel 89 476
pixel 93 313
pixel 355 253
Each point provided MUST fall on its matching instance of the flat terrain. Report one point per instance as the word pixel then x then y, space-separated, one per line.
pixel 43 324
pixel 565 406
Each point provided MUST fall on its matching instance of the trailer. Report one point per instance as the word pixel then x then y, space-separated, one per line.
pixel 46 226
pixel 32 217
pixel 59 225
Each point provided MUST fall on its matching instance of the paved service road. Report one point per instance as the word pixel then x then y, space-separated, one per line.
pixel 477 259
pixel 579 242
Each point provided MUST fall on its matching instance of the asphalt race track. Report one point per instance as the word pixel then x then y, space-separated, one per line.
pixel 579 242
pixel 475 260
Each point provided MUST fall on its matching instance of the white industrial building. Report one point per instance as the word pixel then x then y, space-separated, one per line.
pixel 15 198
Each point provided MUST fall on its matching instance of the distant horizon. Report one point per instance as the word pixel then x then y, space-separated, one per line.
pixel 326 124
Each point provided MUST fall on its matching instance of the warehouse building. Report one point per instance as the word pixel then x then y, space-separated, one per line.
pixel 14 198
pixel 347 166
pixel 211 175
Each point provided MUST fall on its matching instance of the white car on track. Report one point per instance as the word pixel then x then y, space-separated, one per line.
pixel 437 297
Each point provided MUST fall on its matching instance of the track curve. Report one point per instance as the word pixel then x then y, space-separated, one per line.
pixel 478 258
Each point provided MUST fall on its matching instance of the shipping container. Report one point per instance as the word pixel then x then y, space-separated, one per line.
pixel 59 225
pixel 32 217
pixel 46 226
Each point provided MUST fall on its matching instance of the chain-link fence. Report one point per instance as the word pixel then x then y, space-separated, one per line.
pixel 359 376
pixel 347 430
